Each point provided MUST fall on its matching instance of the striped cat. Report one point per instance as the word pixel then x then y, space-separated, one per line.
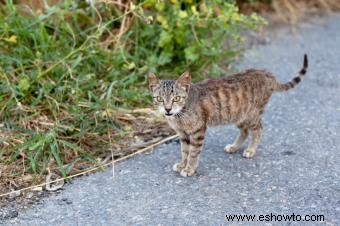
pixel 239 99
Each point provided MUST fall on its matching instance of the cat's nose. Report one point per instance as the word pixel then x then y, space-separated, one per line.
pixel 167 110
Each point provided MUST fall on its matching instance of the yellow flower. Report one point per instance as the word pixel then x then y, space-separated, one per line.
pixel 182 14
pixel 194 10
pixel 12 39
pixel 129 66
pixel 236 17
pixel 132 6
pixel 162 21
pixel 174 1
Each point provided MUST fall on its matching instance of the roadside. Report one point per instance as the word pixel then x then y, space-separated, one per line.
pixel 73 78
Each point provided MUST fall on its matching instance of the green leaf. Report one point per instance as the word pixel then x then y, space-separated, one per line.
pixel 180 37
pixel 36 145
pixel 191 54
pixel 164 58
pixel 69 145
pixel 24 85
pixel 165 38
pixel 152 62
pixel 56 155
pixel 70 166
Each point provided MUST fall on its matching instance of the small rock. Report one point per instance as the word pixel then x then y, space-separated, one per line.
pixel 14 194
pixel 29 195
pixel 67 201
pixel 12 213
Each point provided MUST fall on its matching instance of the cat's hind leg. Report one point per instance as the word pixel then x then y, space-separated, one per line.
pixel 235 147
pixel 256 132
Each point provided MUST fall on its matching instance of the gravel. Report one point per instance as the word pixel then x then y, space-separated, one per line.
pixel 296 169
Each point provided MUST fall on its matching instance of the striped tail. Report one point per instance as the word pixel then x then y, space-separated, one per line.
pixel 296 80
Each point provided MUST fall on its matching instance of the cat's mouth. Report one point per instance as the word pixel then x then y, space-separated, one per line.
pixel 168 114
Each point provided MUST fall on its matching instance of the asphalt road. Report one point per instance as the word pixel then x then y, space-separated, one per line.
pixel 296 169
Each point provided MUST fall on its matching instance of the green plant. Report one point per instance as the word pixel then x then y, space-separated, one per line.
pixel 193 36
pixel 65 71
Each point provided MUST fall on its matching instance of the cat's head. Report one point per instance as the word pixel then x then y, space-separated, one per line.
pixel 169 96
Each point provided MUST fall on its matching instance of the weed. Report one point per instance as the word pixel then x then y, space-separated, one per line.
pixel 65 71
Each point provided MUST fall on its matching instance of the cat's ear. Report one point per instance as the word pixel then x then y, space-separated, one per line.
pixel 153 80
pixel 185 80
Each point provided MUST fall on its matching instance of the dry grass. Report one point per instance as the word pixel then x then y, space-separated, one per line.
pixel 143 127
pixel 290 11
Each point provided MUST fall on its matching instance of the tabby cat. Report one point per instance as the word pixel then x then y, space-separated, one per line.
pixel 238 99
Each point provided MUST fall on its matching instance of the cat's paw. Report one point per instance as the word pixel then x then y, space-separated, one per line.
pixel 187 172
pixel 178 167
pixel 231 148
pixel 249 153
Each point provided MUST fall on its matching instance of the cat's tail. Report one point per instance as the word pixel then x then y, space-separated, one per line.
pixel 296 80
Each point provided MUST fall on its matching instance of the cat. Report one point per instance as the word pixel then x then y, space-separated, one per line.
pixel 239 99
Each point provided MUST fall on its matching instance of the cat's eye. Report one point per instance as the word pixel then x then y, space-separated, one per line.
pixel 159 99
pixel 176 98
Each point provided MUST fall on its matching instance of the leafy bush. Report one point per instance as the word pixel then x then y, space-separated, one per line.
pixel 192 36
pixel 74 63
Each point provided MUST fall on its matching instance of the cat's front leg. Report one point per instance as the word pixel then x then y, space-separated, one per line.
pixel 185 141
pixel 196 143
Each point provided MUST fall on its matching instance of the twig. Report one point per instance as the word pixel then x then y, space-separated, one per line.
pixel 291 9
pixel 194 33
pixel 119 3
pixel 121 30
pixel 95 168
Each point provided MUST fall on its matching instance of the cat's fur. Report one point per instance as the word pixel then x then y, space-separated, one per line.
pixel 239 99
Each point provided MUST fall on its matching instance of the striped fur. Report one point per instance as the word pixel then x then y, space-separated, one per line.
pixel 296 80
pixel 239 99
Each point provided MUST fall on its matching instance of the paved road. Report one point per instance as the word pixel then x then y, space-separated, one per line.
pixel 296 169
